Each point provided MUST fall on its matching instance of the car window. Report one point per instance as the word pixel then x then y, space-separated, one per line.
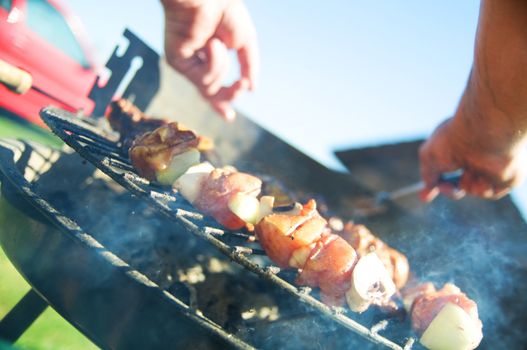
pixel 47 22
pixel 6 4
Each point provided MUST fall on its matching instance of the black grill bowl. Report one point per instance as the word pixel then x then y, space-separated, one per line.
pixel 114 305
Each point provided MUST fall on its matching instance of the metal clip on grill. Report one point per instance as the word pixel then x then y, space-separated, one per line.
pixel 95 146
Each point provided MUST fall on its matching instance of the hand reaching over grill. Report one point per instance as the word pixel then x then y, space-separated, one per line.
pixel 487 136
pixel 491 168
pixel 198 36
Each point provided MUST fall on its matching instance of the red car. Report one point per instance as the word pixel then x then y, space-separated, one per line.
pixel 42 46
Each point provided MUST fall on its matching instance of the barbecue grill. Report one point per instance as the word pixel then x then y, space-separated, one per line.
pixel 120 282
pixel 119 301
pixel 108 157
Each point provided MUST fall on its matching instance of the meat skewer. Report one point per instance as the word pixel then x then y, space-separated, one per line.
pixel 295 238
pixel 301 239
pixel 160 151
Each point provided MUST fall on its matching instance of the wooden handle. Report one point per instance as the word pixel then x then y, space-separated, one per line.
pixel 15 78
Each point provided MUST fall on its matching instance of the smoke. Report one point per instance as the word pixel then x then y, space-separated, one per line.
pixel 481 247
pixel 186 267
pixel 130 229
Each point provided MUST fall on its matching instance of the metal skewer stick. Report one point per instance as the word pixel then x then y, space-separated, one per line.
pixel 375 205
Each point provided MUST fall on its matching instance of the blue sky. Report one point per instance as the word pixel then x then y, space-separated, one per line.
pixel 335 74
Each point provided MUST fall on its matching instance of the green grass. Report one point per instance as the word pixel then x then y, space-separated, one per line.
pixel 50 331
pixel 12 285
pixel 14 127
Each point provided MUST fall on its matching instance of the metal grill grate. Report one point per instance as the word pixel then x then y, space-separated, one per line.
pixel 17 189
pixel 96 146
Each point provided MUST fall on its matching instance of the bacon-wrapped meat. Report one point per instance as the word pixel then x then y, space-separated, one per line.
pixel 301 239
pixel 364 242
pixel 216 190
pixel 125 118
pixel 212 189
pixel 445 318
pixel 166 153
pixel 131 123
pixel 329 267
pixel 281 234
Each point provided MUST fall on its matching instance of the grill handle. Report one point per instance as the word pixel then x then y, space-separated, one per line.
pixel 15 78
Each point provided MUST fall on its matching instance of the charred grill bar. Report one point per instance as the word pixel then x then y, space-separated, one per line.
pixel 97 146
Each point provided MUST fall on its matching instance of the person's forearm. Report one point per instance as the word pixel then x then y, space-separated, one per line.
pixel 179 2
pixel 495 101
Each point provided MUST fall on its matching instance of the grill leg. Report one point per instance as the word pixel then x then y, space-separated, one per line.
pixel 21 316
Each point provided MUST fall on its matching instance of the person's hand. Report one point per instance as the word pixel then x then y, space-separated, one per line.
pixel 488 171
pixel 198 36
pixel 487 137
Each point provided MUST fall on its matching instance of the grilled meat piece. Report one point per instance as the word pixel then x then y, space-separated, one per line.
pixel 165 153
pixel 413 290
pixel 218 188
pixel 428 304
pixel 329 267
pixel 281 234
pixel 130 122
pixel 301 239
pixel 125 118
pixel 444 318
pixel 364 242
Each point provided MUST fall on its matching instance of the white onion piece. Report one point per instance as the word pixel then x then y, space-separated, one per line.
pixel 189 184
pixel 249 209
pixel 245 206
pixel 177 166
pixel 266 207
pixel 370 284
pixel 452 329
